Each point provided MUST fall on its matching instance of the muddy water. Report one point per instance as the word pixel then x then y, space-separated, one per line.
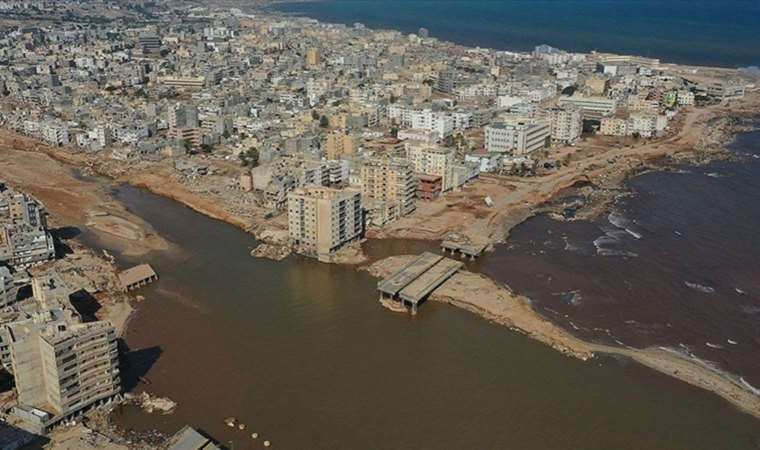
pixel 303 354
pixel 675 264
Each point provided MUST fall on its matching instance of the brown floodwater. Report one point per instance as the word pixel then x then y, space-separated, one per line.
pixel 304 355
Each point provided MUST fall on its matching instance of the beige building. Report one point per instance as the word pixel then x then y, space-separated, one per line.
pixel 433 160
pixel 61 368
pixel 339 145
pixel 312 57
pixel 322 220
pixel 388 189
pixel 613 126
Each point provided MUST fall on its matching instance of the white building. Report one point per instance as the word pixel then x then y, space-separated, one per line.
pixel 517 137
pixel 591 107
pixel 438 122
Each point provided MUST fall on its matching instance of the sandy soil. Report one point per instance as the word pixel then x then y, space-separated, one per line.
pixel 74 202
pixel 481 295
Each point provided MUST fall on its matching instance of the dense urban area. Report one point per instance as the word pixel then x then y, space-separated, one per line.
pixel 312 136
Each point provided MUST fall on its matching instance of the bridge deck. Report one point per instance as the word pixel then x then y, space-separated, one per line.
pixel 418 289
pixel 393 284
pixel 467 249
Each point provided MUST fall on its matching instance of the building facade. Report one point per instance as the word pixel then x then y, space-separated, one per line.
pixel 433 160
pixel 390 186
pixel 517 137
pixel 322 220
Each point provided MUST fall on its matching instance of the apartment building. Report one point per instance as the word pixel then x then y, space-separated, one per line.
pixel 24 239
pixel 433 160
pixel 440 123
pixel 388 189
pixel 567 124
pixel 8 289
pixel 339 145
pixel 613 126
pixel 518 137
pixel 60 368
pixel 323 220
pixel 184 125
pixel 312 57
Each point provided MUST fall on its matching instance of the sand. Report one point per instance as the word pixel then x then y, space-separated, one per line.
pixel 74 202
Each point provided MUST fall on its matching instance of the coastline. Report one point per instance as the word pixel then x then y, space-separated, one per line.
pixel 510 42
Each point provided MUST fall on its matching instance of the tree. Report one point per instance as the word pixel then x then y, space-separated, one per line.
pixel 253 157
pixel 249 157
pixel 206 148
pixel 314 114
pixel 394 132
pixel 324 122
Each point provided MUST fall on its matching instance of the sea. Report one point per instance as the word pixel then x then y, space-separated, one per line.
pixel 698 32
pixel 675 264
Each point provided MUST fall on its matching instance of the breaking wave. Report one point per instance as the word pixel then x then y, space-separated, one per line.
pixel 700 287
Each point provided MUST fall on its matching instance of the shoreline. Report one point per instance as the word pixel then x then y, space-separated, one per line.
pixel 270 7
pixel 482 296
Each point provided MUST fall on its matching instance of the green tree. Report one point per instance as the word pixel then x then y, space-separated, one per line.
pixel 253 157
pixel 324 122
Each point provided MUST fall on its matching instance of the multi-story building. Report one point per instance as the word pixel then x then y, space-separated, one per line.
pixel 339 145
pixel 62 368
pixel 184 125
pixel 322 220
pixel 447 80
pixel 183 82
pixel 312 57
pixel 567 124
pixel 613 126
pixel 433 160
pixel 149 43
pixel 517 137
pixel 591 107
pixel 8 289
pixel 440 123
pixel 388 189
pixel 24 239
pixel 647 125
